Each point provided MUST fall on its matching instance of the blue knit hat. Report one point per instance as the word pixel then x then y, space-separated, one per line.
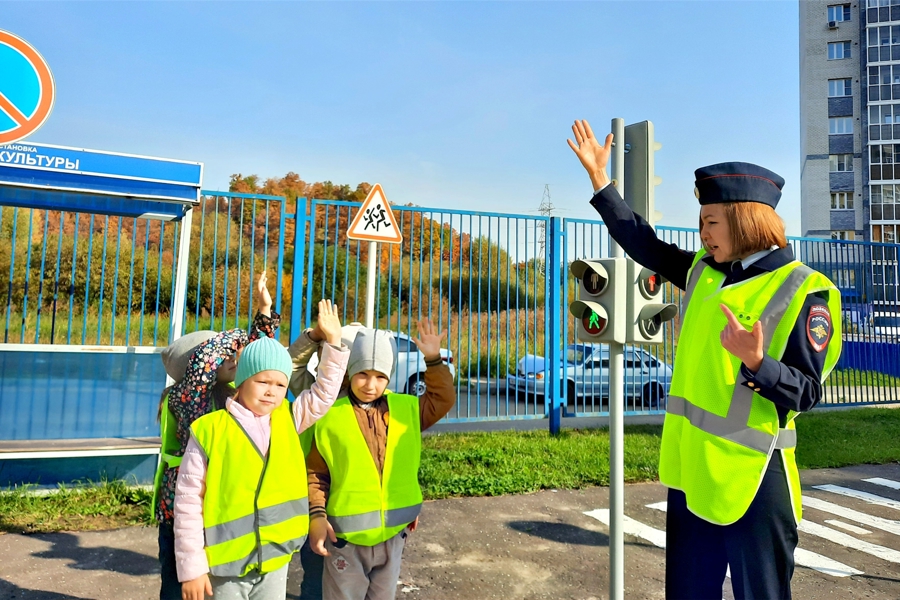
pixel 265 354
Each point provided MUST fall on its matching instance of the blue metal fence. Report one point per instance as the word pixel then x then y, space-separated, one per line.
pixel 498 282
pixel 501 313
pixel 86 305
pixel 480 275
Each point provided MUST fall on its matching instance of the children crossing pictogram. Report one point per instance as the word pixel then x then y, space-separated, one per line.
pixel 375 222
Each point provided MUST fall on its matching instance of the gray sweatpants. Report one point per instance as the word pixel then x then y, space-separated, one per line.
pixel 363 572
pixel 253 586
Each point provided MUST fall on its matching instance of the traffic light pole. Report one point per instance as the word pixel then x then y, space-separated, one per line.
pixel 617 408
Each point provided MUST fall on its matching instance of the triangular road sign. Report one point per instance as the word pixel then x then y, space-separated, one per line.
pixel 375 222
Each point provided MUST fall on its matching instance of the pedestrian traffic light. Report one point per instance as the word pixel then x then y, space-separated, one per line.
pixel 646 312
pixel 599 308
pixel 640 177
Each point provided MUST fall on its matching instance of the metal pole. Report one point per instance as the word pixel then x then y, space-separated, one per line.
pixel 176 324
pixel 370 285
pixel 617 409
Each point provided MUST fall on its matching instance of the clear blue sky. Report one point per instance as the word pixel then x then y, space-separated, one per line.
pixel 459 104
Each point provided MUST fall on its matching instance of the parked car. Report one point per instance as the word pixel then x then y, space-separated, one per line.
pixel 886 326
pixel 408 377
pixel 586 372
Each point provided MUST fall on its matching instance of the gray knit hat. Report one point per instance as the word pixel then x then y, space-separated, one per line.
pixel 264 354
pixel 177 355
pixel 373 350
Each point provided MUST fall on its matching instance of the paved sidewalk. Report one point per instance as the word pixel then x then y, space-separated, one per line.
pixel 534 546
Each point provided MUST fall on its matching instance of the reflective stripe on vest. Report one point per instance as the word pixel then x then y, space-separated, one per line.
pixel 256 511
pixel 714 448
pixel 363 507
pixel 735 426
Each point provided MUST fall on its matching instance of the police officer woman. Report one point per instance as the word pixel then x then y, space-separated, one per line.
pixel 759 334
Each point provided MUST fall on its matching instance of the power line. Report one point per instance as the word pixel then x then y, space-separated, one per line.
pixel 546 209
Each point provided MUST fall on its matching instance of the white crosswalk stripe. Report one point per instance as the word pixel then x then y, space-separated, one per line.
pixel 839 537
pixel 847 527
pixel 803 558
pixel 881 523
pixel 865 496
pixel 632 527
pixel 894 485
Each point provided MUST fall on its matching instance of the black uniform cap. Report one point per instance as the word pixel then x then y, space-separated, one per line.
pixel 737 182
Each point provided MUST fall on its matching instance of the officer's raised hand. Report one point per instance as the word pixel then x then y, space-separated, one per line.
pixel 746 345
pixel 592 155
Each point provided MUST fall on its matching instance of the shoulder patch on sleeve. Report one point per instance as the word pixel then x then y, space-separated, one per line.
pixel 818 327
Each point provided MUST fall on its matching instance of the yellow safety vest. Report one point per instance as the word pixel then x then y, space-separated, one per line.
pixel 364 508
pixel 256 511
pixel 169 446
pixel 719 435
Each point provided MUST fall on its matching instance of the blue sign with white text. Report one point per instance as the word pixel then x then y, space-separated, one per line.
pixel 59 178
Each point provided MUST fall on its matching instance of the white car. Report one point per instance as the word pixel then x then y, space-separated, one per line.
pixel 409 376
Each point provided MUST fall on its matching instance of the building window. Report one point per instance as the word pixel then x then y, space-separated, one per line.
pixel 884 43
pixel 841 200
pixel 838 125
pixel 884 233
pixel 839 87
pixel 884 122
pixel 839 12
pixel 883 202
pixel 838 163
pixel 838 50
pixel 884 83
pixel 881 162
pixel 843 235
pixel 843 278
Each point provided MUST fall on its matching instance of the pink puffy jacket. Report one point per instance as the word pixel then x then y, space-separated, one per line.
pixel 309 406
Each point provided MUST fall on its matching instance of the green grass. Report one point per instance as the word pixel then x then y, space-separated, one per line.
pixel 848 437
pixel 857 378
pixel 508 462
pixel 106 505
pixel 489 464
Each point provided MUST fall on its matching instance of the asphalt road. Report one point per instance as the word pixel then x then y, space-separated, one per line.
pixel 551 544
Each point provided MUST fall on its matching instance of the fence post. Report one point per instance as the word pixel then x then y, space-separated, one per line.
pixel 554 371
pixel 300 221
pixel 179 298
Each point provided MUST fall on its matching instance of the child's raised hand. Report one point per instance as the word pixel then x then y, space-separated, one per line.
pixel 429 341
pixel 196 589
pixel 263 296
pixel 319 529
pixel 329 323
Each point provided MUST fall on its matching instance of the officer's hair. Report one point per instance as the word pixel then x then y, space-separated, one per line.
pixel 754 227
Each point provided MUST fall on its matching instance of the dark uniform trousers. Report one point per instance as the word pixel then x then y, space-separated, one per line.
pixel 759 547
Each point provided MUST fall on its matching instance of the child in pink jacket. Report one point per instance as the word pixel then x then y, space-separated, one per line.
pixel 263 371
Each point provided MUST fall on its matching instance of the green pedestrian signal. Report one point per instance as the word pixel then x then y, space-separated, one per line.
pixel 601 291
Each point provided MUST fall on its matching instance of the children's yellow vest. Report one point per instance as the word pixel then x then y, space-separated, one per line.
pixel 169 445
pixel 362 507
pixel 256 511
pixel 719 435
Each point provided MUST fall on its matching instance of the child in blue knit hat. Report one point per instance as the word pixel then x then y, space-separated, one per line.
pixel 241 506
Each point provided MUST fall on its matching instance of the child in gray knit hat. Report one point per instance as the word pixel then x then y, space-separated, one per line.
pixel 363 465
